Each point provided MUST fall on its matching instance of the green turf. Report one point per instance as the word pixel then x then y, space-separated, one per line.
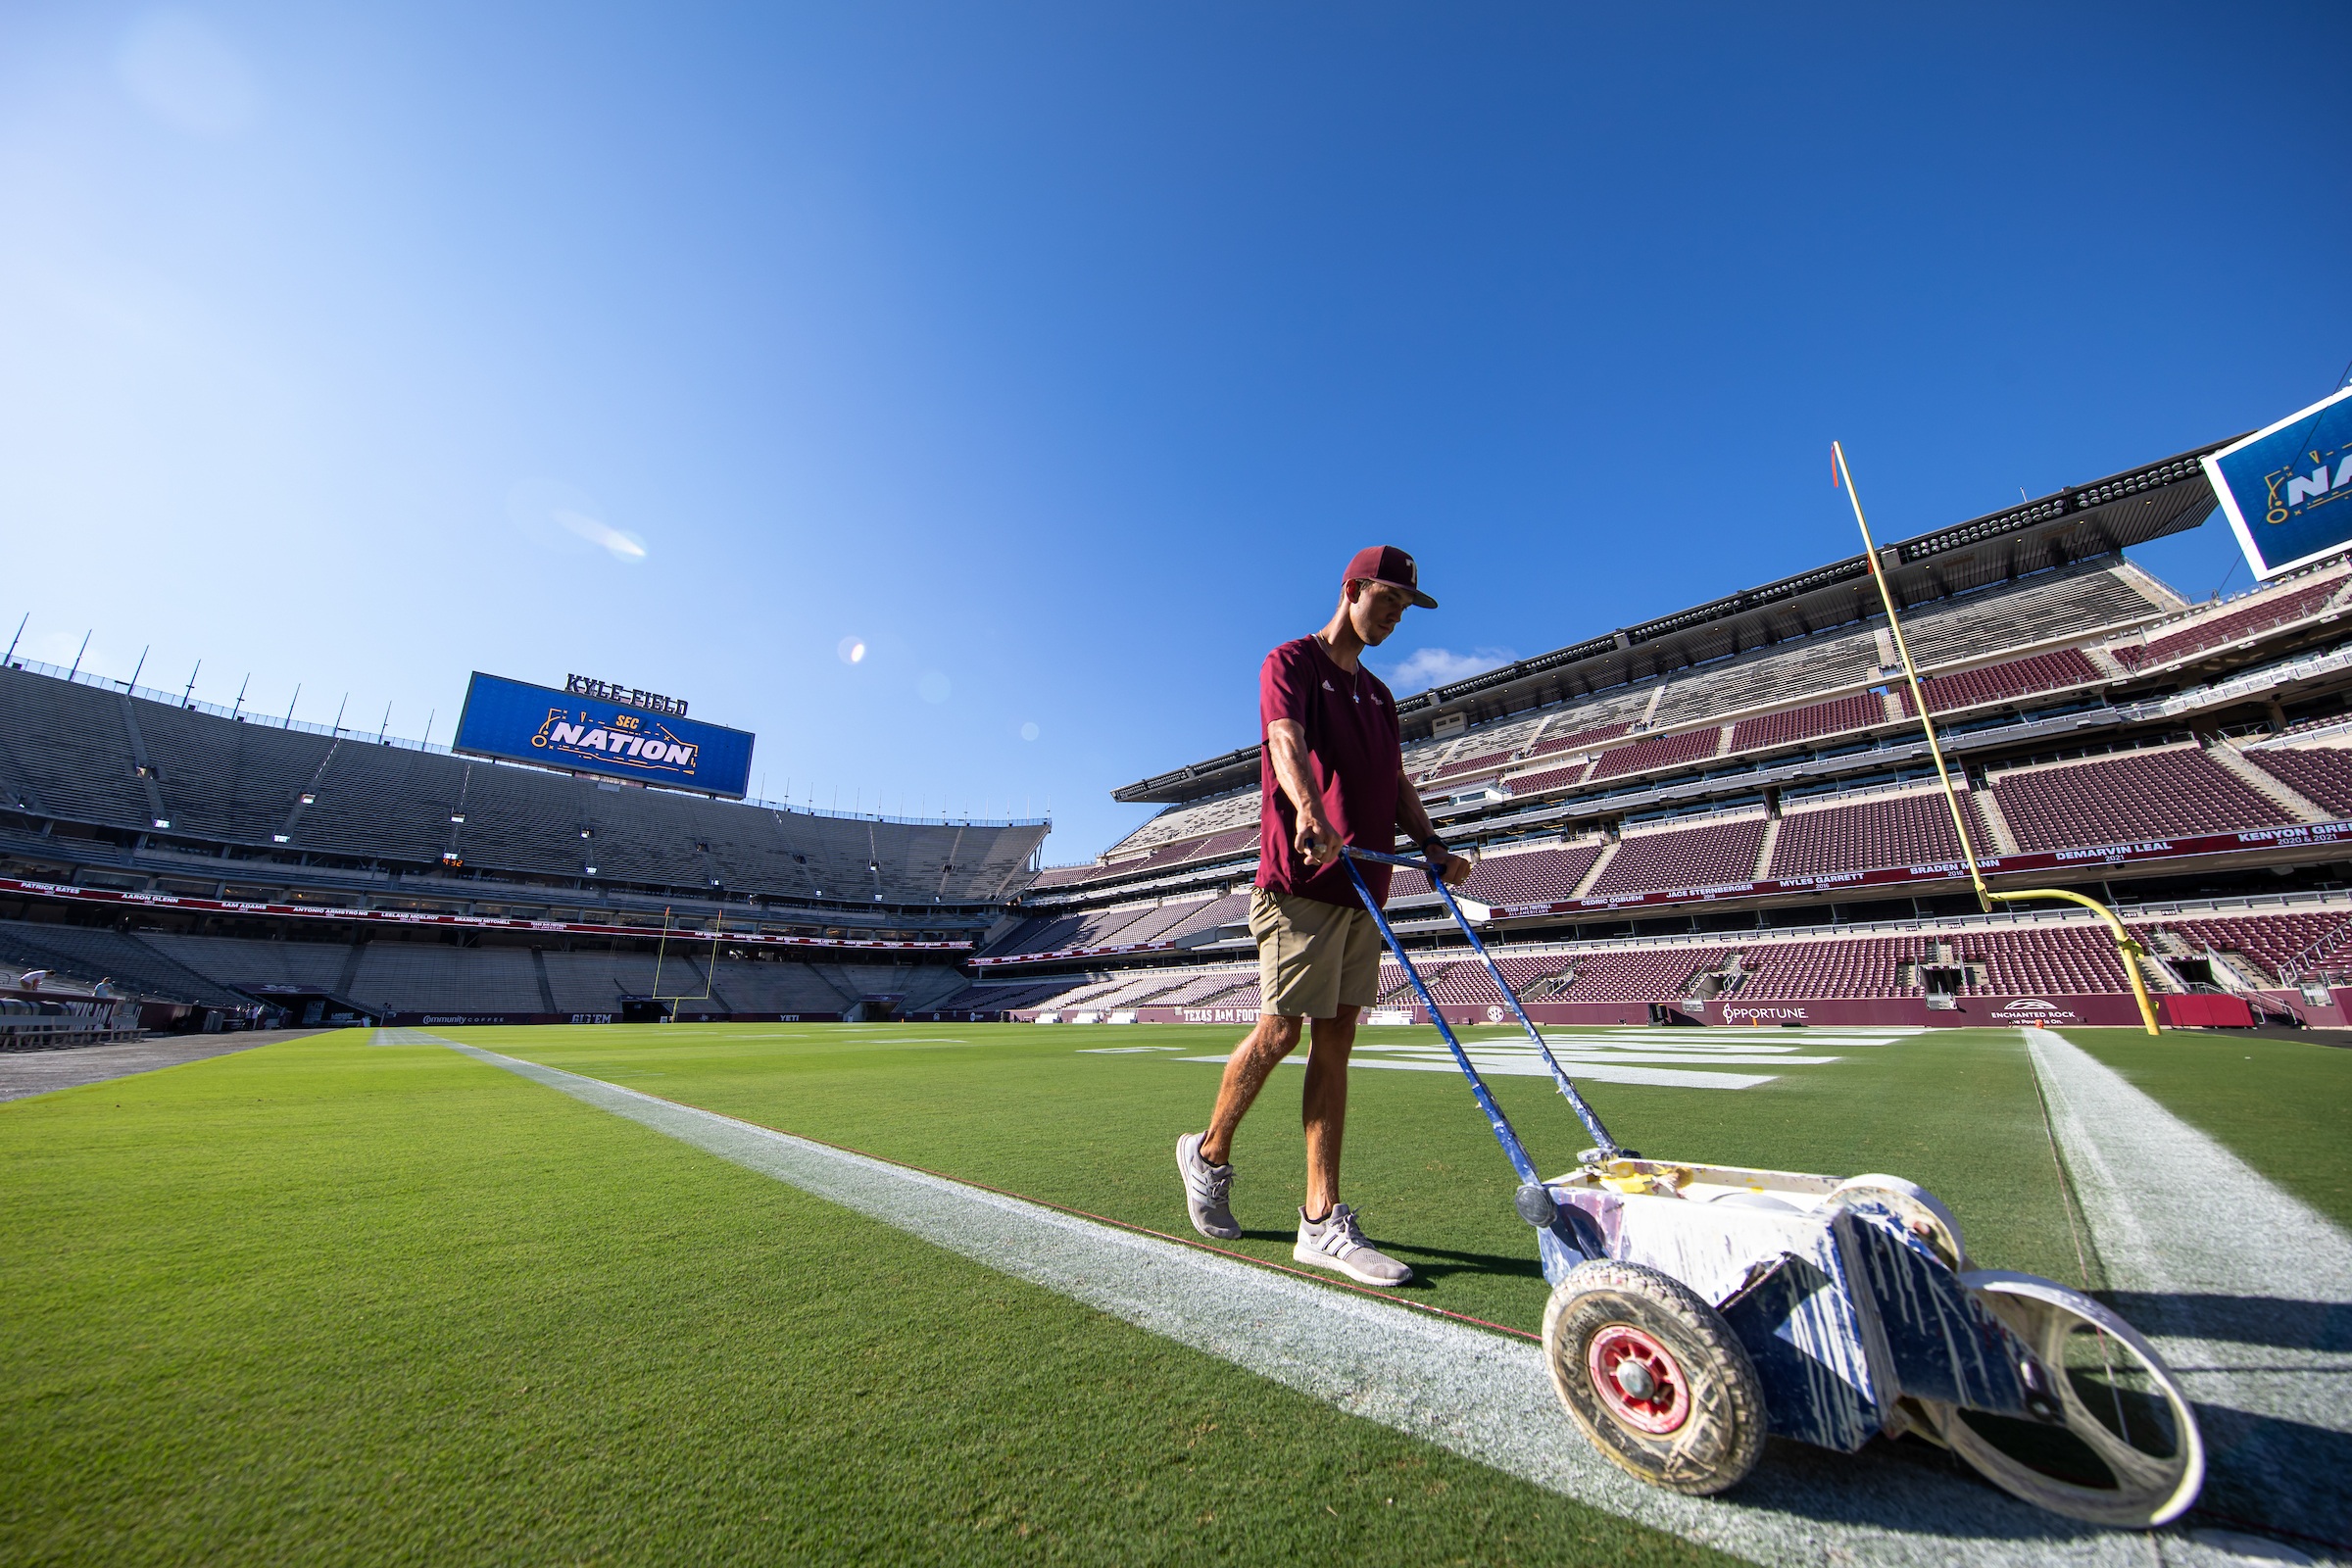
pixel 325 1301
pixel 2277 1104
pixel 1031 1108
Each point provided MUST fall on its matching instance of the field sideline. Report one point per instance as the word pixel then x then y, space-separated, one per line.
pixel 330 1297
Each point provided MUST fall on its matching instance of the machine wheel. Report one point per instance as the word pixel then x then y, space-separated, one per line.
pixel 2129 1454
pixel 1654 1377
pixel 1922 1214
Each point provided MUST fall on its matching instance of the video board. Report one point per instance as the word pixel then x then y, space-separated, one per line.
pixel 519 722
pixel 2288 489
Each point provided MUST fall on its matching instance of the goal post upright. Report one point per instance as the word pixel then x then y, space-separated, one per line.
pixel 2127 948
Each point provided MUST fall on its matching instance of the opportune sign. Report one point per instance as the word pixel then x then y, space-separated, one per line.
pixel 2287 490
pixel 526 723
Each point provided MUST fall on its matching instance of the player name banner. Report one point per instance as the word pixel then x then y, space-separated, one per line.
pixel 2288 489
pixel 2246 841
pixel 685 937
pixel 519 723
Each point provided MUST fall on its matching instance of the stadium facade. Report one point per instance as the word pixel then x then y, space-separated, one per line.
pixel 221 867
pixel 1728 815
pixel 1725 816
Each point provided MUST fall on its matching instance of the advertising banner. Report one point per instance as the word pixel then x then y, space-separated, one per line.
pixel 525 723
pixel 2287 490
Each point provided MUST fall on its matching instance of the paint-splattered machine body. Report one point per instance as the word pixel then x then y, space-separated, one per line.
pixel 1697 1308
pixel 1842 1292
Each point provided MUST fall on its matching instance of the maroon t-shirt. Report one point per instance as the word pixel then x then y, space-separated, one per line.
pixel 1354 755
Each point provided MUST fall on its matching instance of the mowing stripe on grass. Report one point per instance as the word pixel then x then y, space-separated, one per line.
pixel 1471 1393
pixel 2246 1289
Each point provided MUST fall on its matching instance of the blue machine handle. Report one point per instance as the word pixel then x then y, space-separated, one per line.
pixel 1606 1146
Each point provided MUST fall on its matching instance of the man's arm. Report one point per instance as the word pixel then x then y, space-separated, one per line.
pixel 1316 840
pixel 1412 820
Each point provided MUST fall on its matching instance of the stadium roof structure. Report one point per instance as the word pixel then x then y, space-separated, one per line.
pixel 2080 522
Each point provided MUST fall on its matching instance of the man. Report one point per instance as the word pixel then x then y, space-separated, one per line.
pixel 1332 773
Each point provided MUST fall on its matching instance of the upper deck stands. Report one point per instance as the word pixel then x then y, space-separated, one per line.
pixel 2266 613
pixel 1837 716
pixel 1579 740
pixel 1666 751
pixel 217 780
pixel 1539 876
pixel 2059 671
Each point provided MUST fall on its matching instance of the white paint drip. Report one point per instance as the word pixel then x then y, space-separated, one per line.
pixel 1473 1393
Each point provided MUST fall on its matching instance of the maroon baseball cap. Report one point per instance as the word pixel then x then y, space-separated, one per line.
pixel 1391 565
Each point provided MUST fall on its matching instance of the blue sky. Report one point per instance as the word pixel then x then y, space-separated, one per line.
pixel 1060 355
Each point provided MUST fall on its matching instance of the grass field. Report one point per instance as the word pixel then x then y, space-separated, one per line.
pixel 334 1300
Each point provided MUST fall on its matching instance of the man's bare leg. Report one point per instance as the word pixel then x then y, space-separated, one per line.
pixel 1324 1109
pixel 1246 1073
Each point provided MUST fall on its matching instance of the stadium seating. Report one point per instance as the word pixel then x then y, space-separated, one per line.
pixel 2060 671
pixel 1575 741
pixel 1914 829
pixel 1859 967
pixel 2043 959
pixel 1545 780
pixel 1666 751
pixel 1484 762
pixel 1206 917
pixel 239 962
pixel 2128 796
pixel 1469 985
pixel 1538 876
pixel 2322 775
pixel 1636 974
pixel 2276 943
pixel 1133 925
pixel 220 780
pixel 2071 960
pixel 2265 613
pixel 425 976
pixel 989 997
pixel 1707 855
pixel 1786 728
pixel 2075 602
pixel 415 977
pixel 2039 609
pixel 91 954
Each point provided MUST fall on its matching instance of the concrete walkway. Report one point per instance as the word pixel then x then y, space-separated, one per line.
pixel 41 1072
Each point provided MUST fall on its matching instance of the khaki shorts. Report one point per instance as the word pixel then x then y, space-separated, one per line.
pixel 1312 958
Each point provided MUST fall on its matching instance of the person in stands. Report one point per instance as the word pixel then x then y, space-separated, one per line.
pixel 1332 773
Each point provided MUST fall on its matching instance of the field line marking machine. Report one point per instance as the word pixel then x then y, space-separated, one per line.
pixel 1697 1308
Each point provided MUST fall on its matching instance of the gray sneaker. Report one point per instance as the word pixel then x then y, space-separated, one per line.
pixel 1338 1242
pixel 1206 1190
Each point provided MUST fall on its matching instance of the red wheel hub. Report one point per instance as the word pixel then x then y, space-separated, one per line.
pixel 1638 1379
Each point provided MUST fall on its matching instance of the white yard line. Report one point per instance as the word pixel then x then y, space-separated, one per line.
pixel 1471 1393
pixel 2245 1288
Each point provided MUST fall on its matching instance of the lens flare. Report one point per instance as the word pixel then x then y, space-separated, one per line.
pixel 852 650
